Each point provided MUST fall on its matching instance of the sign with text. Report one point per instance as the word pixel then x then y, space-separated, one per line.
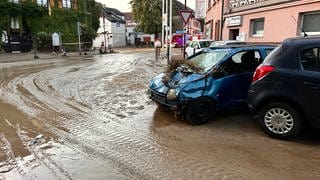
pixel 200 9
pixel 234 21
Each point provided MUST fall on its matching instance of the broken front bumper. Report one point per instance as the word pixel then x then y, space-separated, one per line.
pixel 162 99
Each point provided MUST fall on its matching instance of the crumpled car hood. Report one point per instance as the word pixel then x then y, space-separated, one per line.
pixel 178 80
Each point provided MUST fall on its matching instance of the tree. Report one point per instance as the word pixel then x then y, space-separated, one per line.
pixel 35 21
pixel 147 14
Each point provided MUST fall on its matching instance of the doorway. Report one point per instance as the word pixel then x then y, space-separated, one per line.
pixel 233 33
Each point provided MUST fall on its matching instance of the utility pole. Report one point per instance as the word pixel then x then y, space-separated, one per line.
pixel 168 43
pixel 163 26
pixel 184 34
pixel 170 25
pixel 35 46
pixel 104 30
pixel 79 34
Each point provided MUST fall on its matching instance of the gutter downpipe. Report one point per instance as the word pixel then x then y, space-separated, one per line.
pixel 221 19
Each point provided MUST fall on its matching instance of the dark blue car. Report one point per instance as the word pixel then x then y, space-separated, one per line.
pixel 285 92
pixel 211 81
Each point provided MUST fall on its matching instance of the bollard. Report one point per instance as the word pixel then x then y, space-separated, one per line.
pixel 157 50
pixel 157 45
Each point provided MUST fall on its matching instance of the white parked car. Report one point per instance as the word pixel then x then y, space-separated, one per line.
pixel 197 46
pixel 226 43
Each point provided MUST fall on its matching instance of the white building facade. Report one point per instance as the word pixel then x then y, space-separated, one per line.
pixel 112 31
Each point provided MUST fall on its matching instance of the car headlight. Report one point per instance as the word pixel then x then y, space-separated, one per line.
pixel 171 94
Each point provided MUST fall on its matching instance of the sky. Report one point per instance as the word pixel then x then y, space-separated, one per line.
pixel 124 6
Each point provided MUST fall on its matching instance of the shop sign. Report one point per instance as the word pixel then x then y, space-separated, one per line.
pixel 234 21
pixel 55 39
pixel 240 3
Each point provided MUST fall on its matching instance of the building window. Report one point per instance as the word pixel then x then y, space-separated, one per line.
pixel 42 3
pixel 257 27
pixel 15 23
pixel 310 23
pixel 66 3
pixel 209 4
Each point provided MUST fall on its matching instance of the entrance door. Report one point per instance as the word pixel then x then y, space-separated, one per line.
pixel 233 33
pixel 217 30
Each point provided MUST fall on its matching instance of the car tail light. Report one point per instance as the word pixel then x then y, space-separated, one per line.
pixel 262 71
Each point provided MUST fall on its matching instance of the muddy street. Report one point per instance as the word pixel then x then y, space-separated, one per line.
pixel 90 118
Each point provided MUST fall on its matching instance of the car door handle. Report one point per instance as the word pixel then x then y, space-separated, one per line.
pixel 312 84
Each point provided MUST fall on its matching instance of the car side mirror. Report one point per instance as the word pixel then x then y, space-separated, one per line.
pixel 218 72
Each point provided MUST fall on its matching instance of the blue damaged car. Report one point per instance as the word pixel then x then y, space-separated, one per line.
pixel 211 81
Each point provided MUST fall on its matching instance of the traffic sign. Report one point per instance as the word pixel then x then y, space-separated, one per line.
pixel 185 15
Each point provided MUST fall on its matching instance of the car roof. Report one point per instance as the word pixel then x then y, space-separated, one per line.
pixel 226 42
pixel 230 41
pixel 243 46
pixel 234 47
pixel 301 41
pixel 203 40
pixel 301 38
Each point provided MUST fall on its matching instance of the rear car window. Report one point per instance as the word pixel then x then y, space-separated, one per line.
pixel 273 54
pixel 309 59
pixel 268 51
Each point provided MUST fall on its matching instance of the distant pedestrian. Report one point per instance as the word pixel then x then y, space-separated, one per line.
pixel 179 42
pixel 102 49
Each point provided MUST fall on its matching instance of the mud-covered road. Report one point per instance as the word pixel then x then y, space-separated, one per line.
pixel 91 119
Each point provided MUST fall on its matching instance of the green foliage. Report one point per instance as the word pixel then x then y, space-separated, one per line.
pixel 95 10
pixel 35 20
pixel 28 10
pixel 147 13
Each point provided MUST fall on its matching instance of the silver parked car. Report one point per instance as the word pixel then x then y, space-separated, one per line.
pixel 227 42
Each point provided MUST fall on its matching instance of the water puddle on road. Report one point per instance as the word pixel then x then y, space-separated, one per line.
pixel 52 160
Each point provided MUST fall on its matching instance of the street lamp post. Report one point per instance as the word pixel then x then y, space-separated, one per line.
pixel 104 30
pixel 184 34
pixel 35 46
pixel 169 29
pixel 107 43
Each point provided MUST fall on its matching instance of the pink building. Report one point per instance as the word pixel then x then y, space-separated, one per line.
pixel 261 21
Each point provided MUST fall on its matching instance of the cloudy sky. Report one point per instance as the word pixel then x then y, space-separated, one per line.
pixel 124 6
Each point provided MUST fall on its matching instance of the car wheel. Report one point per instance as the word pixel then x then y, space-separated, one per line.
pixel 199 111
pixel 280 120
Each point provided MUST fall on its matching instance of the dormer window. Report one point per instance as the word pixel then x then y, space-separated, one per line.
pixel 15 23
pixel 66 3
pixel 43 3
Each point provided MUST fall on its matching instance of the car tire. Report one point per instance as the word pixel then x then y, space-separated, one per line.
pixel 199 111
pixel 280 120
